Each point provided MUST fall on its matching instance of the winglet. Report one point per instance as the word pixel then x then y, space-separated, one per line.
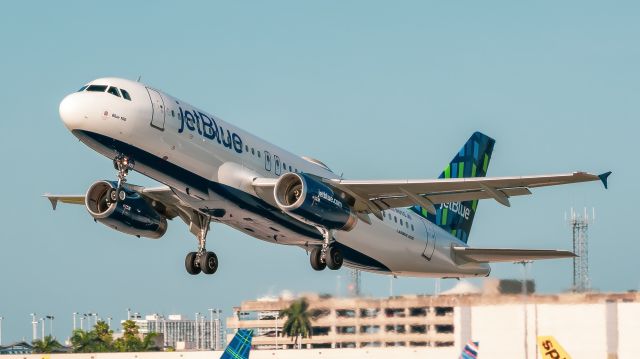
pixel 603 177
pixel 53 200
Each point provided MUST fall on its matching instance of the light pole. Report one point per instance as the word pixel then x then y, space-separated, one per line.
pixel 109 322
pixel 51 318
pixel 42 323
pixel 128 313
pixel 524 299
pixel 74 320
pixel 34 326
pixel 1 330
pixel 196 333
pixel 277 315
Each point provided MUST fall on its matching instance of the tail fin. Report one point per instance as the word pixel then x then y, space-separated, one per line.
pixel 470 350
pixel 471 161
pixel 239 346
pixel 550 348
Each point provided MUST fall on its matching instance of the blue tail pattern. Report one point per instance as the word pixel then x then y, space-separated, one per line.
pixel 471 161
pixel 239 346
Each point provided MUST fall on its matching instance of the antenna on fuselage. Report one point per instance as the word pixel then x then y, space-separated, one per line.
pixel 139 77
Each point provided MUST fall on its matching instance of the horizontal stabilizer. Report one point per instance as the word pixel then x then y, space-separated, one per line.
pixel 485 255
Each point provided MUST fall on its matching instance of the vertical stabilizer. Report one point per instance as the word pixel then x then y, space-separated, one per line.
pixel 470 350
pixel 240 345
pixel 471 161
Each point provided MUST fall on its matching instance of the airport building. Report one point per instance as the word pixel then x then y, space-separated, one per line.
pixel 182 333
pixel 506 323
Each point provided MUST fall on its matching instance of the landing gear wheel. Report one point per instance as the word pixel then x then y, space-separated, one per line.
pixel 190 263
pixel 121 195
pixel 314 258
pixel 208 262
pixel 334 258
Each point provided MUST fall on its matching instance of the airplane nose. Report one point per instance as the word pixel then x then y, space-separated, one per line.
pixel 70 111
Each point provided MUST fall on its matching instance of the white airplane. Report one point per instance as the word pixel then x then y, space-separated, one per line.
pixel 213 171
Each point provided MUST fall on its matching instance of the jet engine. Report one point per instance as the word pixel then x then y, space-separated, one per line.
pixel 133 215
pixel 309 200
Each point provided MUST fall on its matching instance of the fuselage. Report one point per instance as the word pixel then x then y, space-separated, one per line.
pixel 210 164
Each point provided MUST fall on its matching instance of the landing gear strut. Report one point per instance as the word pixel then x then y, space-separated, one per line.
pixel 201 261
pixel 122 164
pixel 328 255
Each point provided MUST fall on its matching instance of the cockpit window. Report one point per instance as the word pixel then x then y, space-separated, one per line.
pixel 125 94
pixel 114 91
pixel 97 88
pixel 82 88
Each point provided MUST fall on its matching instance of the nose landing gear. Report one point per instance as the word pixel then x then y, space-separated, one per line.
pixel 122 164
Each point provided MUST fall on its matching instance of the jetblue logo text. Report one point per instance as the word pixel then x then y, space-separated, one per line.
pixel 327 197
pixel 208 128
pixel 458 208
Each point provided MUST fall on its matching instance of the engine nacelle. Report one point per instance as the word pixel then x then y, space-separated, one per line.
pixel 133 216
pixel 311 201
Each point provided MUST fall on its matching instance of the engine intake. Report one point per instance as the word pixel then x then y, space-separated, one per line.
pixel 311 201
pixel 133 216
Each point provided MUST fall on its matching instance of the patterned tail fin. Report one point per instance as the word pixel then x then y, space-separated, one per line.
pixel 471 161
pixel 470 350
pixel 239 346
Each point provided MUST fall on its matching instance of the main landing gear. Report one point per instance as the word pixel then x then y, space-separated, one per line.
pixel 328 255
pixel 122 164
pixel 201 261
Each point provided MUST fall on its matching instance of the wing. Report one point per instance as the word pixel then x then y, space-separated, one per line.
pixel 163 199
pixel 373 196
pixel 486 255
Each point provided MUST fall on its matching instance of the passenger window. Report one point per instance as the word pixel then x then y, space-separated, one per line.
pixel 97 88
pixel 114 91
pixel 252 151
pixel 412 228
pixel 284 166
pixel 400 221
pixel 173 114
pixel 246 148
pixel 126 96
pixel 289 168
pixel 258 154
pixel 82 88
pixel 395 219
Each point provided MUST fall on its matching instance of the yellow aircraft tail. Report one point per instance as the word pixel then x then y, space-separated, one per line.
pixel 551 349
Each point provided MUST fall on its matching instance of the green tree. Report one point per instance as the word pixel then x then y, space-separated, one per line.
pixel 297 323
pixel 131 342
pixel 82 341
pixel 46 345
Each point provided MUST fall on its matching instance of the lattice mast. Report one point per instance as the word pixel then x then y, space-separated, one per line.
pixel 580 230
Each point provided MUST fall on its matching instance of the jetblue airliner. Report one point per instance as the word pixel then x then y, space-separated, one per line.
pixel 212 171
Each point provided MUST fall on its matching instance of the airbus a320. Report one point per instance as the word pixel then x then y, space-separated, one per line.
pixel 212 171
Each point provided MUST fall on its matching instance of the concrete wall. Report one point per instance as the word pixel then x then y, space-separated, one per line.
pixel 382 353
pixel 628 330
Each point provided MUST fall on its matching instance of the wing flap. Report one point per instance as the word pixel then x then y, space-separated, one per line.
pixel 486 255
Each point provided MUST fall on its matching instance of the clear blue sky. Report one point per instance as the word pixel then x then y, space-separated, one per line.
pixel 374 89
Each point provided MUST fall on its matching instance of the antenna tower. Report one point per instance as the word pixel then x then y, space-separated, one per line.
pixel 580 229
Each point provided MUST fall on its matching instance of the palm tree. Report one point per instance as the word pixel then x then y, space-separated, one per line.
pixel 82 341
pixel 297 323
pixel 46 345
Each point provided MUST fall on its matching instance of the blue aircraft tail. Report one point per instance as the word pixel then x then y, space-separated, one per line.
pixel 471 161
pixel 470 350
pixel 240 345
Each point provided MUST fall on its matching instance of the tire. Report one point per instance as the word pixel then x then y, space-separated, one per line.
pixel 190 264
pixel 208 263
pixel 314 258
pixel 334 258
